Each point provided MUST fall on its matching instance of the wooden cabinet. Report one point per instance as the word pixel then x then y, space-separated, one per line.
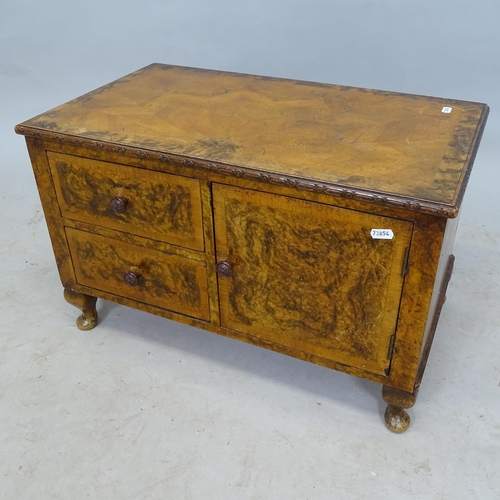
pixel 311 219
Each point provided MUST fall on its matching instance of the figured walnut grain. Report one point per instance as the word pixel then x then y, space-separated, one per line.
pixel 154 205
pixel 309 276
pixel 169 281
pixel 381 147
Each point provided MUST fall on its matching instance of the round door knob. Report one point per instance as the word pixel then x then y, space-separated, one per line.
pixel 118 204
pixel 132 278
pixel 224 269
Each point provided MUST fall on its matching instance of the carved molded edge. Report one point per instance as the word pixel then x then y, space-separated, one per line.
pixel 472 155
pixel 412 205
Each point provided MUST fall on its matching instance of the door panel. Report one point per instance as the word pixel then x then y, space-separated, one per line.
pixel 310 276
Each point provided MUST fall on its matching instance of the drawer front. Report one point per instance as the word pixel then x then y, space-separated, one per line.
pixel 171 282
pixel 151 204
pixel 309 276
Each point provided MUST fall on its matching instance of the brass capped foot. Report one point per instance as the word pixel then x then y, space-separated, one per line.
pixel 86 303
pixel 395 417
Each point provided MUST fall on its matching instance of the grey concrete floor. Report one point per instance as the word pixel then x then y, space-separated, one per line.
pixel 142 407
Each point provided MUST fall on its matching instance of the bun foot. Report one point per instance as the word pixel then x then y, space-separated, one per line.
pixel 86 303
pixel 86 321
pixel 396 419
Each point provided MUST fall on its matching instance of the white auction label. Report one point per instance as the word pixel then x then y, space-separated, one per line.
pixel 382 234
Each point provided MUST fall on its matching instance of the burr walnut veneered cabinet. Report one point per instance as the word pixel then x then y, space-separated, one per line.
pixel 314 220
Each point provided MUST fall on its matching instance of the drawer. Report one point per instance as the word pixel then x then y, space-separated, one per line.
pixel 143 274
pixel 147 203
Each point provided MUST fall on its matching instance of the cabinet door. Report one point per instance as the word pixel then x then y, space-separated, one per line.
pixel 310 276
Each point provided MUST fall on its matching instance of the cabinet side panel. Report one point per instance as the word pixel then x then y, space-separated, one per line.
pixel 418 288
pixel 443 275
pixel 51 209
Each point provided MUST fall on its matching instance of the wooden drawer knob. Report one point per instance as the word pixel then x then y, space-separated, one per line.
pixel 224 269
pixel 132 278
pixel 118 204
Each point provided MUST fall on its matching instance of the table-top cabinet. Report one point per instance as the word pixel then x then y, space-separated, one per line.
pixel 312 219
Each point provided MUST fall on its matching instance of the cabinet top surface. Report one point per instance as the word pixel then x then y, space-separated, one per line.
pixel 417 149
